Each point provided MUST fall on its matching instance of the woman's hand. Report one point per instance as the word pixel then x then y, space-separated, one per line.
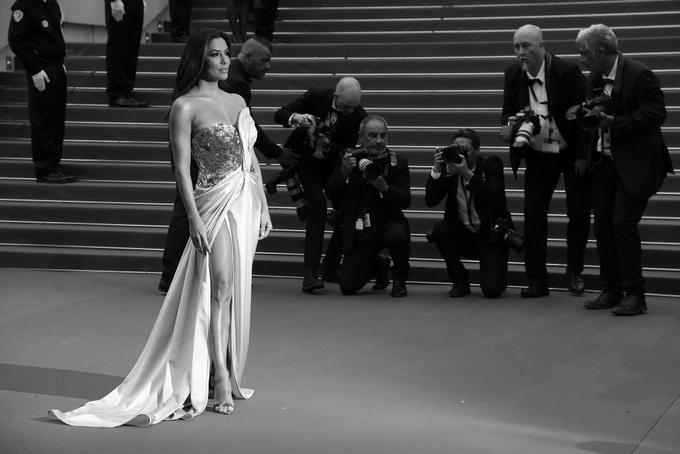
pixel 198 235
pixel 265 224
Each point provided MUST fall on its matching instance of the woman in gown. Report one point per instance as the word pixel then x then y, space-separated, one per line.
pixel 206 313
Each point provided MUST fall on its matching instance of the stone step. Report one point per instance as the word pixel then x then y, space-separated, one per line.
pixel 156 88
pixel 286 265
pixel 660 205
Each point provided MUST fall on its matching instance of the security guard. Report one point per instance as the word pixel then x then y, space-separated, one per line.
pixel 124 21
pixel 35 36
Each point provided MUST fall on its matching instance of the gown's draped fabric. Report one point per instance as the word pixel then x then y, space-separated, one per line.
pixel 170 378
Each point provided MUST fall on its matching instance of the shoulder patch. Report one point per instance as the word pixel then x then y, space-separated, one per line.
pixel 18 15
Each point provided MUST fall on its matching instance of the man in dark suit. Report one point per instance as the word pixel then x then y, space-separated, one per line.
pixel 326 123
pixel 474 188
pixel 549 86
pixel 631 161
pixel 124 23
pixel 373 189
pixel 253 62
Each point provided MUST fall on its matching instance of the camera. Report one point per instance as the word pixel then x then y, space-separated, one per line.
pixel 588 112
pixel 510 237
pixel 527 125
pixel 369 169
pixel 453 154
pixel 297 194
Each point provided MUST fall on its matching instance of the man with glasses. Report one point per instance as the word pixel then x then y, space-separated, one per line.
pixel 326 123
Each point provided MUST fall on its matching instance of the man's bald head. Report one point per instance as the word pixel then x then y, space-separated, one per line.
pixel 348 94
pixel 528 45
pixel 256 55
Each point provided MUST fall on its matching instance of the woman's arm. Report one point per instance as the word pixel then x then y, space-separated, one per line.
pixel 180 142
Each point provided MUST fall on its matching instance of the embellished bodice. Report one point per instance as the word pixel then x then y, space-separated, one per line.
pixel 218 151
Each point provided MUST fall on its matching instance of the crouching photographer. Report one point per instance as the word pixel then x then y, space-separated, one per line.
pixel 326 122
pixel 372 184
pixel 477 224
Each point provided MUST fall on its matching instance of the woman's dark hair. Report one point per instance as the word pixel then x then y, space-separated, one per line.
pixel 193 60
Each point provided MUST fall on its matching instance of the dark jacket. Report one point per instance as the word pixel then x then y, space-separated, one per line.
pixel 35 34
pixel 318 102
pixel 640 153
pixel 565 86
pixel 487 187
pixel 238 82
pixel 355 194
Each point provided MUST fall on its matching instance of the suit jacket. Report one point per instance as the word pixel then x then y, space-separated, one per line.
pixel 487 188
pixel 318 102
pixel 565 86
pixel 639 151
pixel 238 82
pixel 353 193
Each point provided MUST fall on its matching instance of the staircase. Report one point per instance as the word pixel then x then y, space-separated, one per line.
pixel 429 67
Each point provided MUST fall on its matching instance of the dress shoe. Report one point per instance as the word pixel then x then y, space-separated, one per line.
pixel 127 101
pixel 312 281
pixel 605 300
pixel 382 274
pixel 164 283
pixel 575 283
pixel 399 288
pixel 459 290
pixel 56 177
pixel 631 305
pixel 535 290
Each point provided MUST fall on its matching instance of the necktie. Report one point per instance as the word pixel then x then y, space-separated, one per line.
pixel 535 81
pixel 606 81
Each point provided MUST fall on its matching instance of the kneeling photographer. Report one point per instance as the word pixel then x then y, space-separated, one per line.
pixel 372 184
pixel 326 122
pixel 476 223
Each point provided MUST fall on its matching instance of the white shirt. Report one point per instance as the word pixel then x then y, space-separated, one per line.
pixel 539 105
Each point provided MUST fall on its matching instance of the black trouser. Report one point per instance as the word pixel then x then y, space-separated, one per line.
pixel 122 48
pixel 47 113
pixel 454 241
pixel 360 263
pixel 265 17
pixel 178 230
pixel 313 178
pixel 540 179
pixel 180 17
pixel 617 216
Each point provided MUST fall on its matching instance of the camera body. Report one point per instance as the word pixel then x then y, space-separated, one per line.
pixel 510 237
pixel 527 125
pixel 369 169
pixel 453 154
pixel 588 113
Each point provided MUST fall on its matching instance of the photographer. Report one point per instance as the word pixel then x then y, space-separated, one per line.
pixel 545 86
pixel 326 121
pixel 631 161
pixel 373 185
pixel 474 189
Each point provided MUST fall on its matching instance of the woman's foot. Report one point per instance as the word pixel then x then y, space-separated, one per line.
pixel 224 402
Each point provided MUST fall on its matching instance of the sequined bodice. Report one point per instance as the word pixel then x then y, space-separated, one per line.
pixel 218 151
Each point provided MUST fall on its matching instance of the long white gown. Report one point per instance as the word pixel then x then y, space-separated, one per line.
pixel 170 378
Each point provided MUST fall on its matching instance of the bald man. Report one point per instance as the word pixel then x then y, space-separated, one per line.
pixel 326 123
pixel 549 86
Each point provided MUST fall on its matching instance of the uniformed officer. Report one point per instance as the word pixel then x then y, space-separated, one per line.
pixel 35 36
pixel 124 21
